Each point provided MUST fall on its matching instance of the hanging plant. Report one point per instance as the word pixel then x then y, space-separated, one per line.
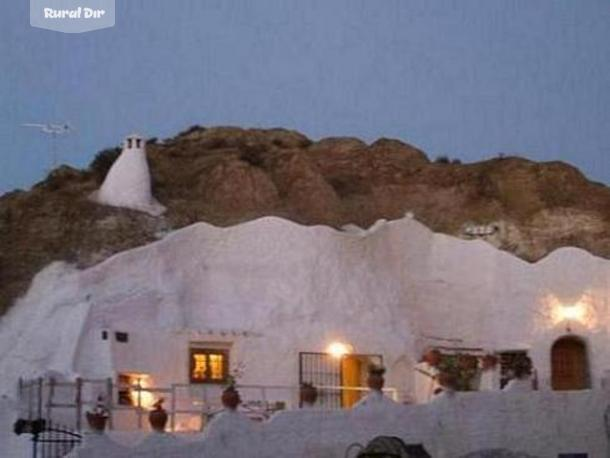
pixel 467 362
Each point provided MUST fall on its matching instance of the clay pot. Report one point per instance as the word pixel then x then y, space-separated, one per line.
pixel 158 419
pixel 230 398
pixel 96 421
pixel 308 394
pixel 488 362
pixel 375 380
pixel 432 357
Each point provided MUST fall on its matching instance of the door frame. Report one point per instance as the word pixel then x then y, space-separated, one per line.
pixel 587 360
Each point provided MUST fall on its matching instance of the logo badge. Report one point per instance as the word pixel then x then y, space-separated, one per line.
pixel 72 16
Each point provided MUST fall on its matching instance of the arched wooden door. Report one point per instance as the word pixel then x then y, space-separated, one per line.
pixel 569 365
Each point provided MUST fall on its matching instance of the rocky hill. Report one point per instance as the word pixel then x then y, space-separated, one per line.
pixel 228 175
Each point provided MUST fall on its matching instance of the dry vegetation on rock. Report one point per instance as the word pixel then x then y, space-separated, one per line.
pixel 228 175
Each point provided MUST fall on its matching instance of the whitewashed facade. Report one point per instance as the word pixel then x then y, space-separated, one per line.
pixel 269 289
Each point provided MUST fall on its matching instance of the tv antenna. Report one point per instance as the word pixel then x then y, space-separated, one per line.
pixel 53 130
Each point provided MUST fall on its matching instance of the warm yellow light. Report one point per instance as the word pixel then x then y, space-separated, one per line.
pixel 146 398
pixel 572 312
pixel 338 349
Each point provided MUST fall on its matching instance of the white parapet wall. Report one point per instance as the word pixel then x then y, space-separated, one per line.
pixel 542 424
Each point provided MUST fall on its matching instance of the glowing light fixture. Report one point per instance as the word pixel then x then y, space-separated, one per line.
pixel 338 349
pixel 574 312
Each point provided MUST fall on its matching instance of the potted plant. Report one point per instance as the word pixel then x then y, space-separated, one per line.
pixel 456 372
pixel 230 396
pixel 467 362
pixel 375 380
pixel 97 417
pixel 308 394
pixel 158 416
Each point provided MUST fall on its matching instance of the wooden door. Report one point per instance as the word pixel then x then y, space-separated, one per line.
pixel 351 375
pixel 569 365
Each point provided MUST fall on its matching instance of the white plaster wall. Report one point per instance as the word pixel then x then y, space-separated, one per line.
pixel 296 288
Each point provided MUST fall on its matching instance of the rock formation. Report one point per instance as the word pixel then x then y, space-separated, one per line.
pixel 228 175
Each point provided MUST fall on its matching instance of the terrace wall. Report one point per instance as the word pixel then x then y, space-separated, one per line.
pixel 543 424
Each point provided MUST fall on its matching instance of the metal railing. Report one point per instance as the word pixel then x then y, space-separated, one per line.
pixel 189 406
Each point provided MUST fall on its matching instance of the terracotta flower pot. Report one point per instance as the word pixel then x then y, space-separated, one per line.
pixel 96 421
pixel 375 380
pixel 308 394
pixel 432 357
pixel 230 398
pixel 158 419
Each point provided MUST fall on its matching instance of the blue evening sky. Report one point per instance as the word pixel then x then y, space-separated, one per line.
pixel 464 78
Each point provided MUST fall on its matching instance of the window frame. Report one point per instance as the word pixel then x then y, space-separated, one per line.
pixel 209 351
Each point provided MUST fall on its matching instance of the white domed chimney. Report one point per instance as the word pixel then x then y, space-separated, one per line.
pixel 127 183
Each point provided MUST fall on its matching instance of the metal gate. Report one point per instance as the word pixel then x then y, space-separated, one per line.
pixel 48 440
pixel 324 371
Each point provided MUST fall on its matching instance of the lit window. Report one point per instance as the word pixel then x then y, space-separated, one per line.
pixel 125 383
pixel 216 366
pixel 200 366
pixel 208 365
pixel 132 390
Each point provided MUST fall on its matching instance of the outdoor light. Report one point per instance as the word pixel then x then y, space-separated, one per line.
pixel 338 349
pixel 572 312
